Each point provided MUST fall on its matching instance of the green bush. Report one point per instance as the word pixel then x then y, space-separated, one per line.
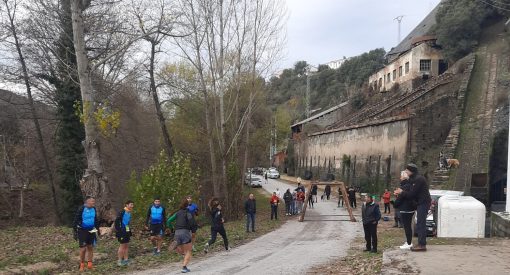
pixel 459 25
pixel 171 181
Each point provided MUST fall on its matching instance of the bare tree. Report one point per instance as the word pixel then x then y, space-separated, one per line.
pixel 11 10
pixel 159 17
pixel 222 50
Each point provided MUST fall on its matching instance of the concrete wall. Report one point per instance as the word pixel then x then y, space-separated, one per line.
pixel 421 51
pixel 366 143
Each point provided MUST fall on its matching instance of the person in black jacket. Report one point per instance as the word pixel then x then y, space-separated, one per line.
pixel 314 193
pixel 184 225
pixel 406 208
pixel 217 222
pixel 327 191
pixel 351 193
pixel 155 222
pixel 370 215
pixel 287 197
pixel 419 192
pixel 250 208
pixel 85 227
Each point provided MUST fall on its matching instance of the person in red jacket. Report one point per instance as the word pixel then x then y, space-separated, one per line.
pixel 386 199
pixel 300 198
pixel 274 206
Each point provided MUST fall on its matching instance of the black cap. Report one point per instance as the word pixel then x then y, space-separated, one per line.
pixel 412 167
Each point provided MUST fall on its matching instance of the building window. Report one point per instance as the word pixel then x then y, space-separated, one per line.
pixel 400 71
pixel 394 75
pixel 388 78
pixel 407 67
pixel 380 82
pixel 425 65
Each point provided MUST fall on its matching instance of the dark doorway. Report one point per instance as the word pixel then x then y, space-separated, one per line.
pixel 498 166
pixel 443 66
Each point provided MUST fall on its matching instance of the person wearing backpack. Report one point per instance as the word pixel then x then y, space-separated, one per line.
pixel 184 225
pixel 155 224
pixel 85 227
pixel 123 232
pixel 217 222
pixel 287 197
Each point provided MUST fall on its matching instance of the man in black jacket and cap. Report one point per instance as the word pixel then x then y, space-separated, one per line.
pixel 419 192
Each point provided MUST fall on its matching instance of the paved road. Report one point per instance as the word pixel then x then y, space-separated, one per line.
pixel 294 248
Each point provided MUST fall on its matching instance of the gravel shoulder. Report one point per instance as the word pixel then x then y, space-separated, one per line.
pixel 294 248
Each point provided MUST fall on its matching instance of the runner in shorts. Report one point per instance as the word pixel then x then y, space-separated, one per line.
pixel 124 233
pixel 85 231
pixel 184 225
pixel 193 209
pixel 155 223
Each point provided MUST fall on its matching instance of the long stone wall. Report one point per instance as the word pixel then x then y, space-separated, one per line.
pixel 369 147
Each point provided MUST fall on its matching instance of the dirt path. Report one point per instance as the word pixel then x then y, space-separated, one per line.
pixel 292 249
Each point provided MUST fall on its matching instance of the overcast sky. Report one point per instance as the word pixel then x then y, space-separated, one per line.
pixel 319 31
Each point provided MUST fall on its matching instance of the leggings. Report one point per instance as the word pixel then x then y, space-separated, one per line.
pixel 214 233
pixel 407 219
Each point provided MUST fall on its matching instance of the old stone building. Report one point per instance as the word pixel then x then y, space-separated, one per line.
pixel 417 56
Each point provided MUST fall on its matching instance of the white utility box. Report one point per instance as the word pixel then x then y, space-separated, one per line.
pixel 460 217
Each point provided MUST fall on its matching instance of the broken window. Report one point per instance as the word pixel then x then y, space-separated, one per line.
pixel 425 65
pixel 388 78
pixel 407 67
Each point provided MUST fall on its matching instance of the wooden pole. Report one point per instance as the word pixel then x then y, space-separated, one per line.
pixel 335 183
pixel 305 202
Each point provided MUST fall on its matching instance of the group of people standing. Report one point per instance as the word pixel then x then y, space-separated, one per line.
pixel 412 196
pixel 182 222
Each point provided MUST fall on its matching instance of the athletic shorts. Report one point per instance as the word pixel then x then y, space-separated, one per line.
pixel 157 229
pixel 124 239
pixel 86 238
pixel 182 236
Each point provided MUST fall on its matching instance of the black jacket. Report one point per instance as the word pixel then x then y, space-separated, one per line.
pixel 405 204
pixel 216 218
pixel 184 220
pixel 419 190
pixel 287 197
pixel 314 189
pixel 250 206
pixel 327 189
pixel 370 213
pixel 77 223
pixel 352 194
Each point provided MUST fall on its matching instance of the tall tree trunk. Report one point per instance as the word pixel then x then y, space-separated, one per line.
pixel 40 140
pixel 161 118
pixel 93 182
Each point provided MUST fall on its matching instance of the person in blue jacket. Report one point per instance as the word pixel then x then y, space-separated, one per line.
pixel 123 232
pixel 85 227
pixel 155 222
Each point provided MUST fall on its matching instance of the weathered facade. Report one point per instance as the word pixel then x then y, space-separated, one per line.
pixel 423 60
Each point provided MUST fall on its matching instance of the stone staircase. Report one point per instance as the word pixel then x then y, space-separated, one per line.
pixel 441 177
